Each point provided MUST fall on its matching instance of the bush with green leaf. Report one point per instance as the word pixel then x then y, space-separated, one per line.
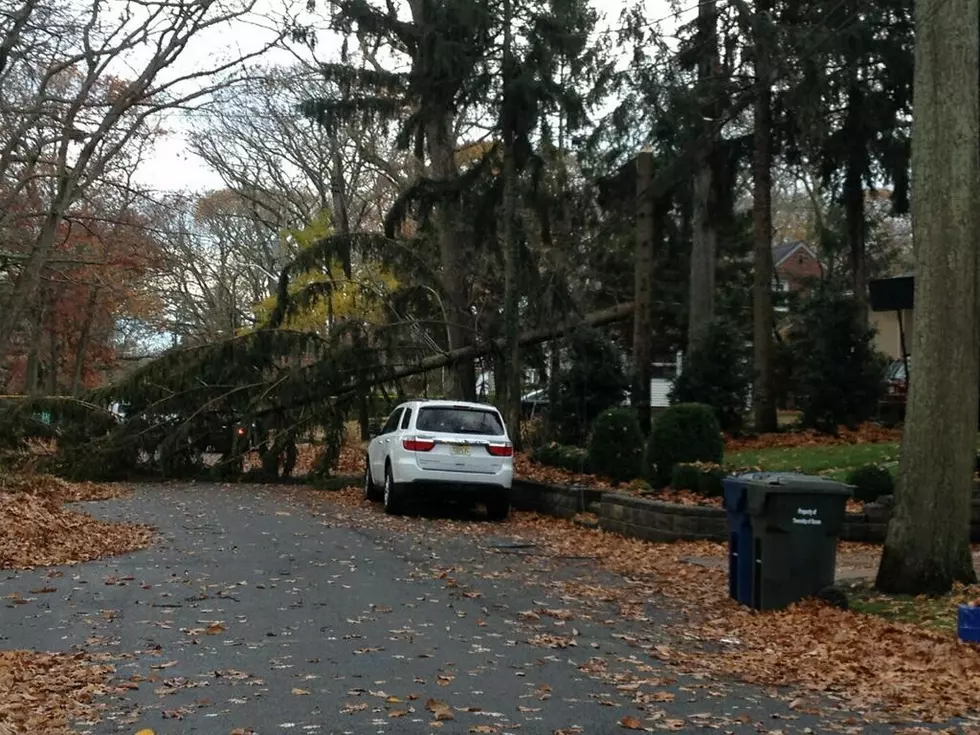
pixel 685 432
pixel 685 476
pixel 718 373
pixel 594 381
pixel 616 445
pixel 710 480
pixel 839 376
pixel 562 456
pixel 703 478
pixel 871 482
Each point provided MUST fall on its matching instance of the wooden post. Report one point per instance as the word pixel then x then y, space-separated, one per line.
pixel 643 289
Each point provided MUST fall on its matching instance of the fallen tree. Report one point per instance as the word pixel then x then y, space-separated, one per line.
pixel 261 391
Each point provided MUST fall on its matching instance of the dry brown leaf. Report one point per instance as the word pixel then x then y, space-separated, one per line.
pixel 631 723
pixel 300 692
pixel 35 530
pixel 439 710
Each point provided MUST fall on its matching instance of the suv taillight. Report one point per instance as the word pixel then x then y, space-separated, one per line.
pixel 418 445
pixel 500 450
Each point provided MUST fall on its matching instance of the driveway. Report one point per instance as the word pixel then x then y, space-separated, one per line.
pixel 274 610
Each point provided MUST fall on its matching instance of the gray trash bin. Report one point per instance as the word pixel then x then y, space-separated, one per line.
pixel 796 522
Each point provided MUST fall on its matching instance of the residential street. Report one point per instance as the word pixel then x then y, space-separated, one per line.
pixel 272 610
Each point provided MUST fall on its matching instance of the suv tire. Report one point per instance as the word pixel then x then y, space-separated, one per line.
pixel 392 494
pixel 498 507
pixel 370 491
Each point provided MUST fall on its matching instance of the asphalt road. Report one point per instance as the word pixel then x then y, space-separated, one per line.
pixel 255 614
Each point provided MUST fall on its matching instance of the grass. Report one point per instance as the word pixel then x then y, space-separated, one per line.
pixel 938 613
pixel 834 461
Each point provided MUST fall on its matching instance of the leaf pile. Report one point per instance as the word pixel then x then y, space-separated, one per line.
pixel 528 469
pixel 45 692
pixel 35 530
pixel 56 489
pixel 868 433
pixel 870 663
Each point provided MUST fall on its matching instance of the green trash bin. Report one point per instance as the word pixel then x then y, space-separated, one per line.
pixel 796 521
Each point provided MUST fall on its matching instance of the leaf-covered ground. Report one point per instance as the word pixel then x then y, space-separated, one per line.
pixel 280 609
pixel 47 692
pixel 789 451
pixel 36 529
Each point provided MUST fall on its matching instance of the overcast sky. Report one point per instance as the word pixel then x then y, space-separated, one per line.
pixel 173 166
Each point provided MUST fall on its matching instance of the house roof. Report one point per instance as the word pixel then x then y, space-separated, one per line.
pixel 782 252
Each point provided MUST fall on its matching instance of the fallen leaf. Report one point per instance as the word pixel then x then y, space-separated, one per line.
pixel 440 710
pixel 300 692
pixel 631 723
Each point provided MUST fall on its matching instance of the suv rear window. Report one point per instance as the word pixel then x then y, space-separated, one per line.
pixel 453 420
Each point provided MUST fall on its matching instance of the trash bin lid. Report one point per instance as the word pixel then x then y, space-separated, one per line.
pixel 761 484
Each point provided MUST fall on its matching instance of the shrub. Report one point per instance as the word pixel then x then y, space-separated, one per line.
pixel 718 373
pixel 704 478
pixel 839 376
pixel 685 432
pixel 871 482
pixel 534 432
pixel 710 481
pixel 616 446
pixel 573 459
pixel 685 476
pixel 594 381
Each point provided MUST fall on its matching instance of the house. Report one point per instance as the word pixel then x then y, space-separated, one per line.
pixel 794 263
pixel 891 315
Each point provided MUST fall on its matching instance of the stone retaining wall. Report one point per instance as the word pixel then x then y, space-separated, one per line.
pixel 655 520
pixel 554 500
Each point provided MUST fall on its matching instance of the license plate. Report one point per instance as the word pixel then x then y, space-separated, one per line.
pixel 461 449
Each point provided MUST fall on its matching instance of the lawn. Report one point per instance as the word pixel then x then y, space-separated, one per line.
pixel 834 461
pixel 938 613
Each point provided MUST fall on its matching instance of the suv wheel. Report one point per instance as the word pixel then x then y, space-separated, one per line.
pixel 370 492
pixel 498 507
pixel 392 496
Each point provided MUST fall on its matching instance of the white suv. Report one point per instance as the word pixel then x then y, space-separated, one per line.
pixel 458 447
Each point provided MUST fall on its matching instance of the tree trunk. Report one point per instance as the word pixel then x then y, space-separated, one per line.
pixel 704 240
pixel 763 394
pixel 854 209
pixel 513 368
pixel 600 318
pixel 643 290
pixel 928 544
pixel 341 218
pixel 452 260
pixel 32 371
pixel 83 340
pixel 27 283
pixel 54 358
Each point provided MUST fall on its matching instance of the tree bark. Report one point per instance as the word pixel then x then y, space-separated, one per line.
pixel 453 276
pixel 83 340
pixel 763 394
pixel 643 290
pixel 928 544
pixel 704 241
pixel 854 209
pixel 513 368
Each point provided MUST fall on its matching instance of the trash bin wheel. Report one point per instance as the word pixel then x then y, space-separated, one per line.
pixel 833 596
